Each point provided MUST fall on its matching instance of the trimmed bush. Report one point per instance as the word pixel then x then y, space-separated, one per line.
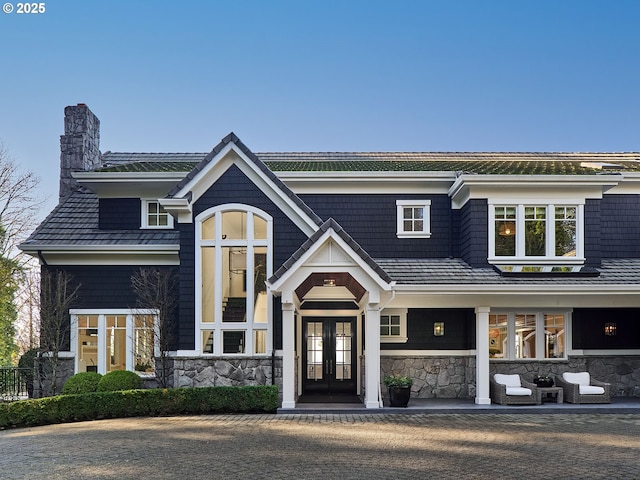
pixel 135 403
pixel 83 382
pixel 119 380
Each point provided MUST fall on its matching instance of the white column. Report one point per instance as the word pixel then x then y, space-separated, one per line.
pixel 372 356
pixel 482 356
pixel 288 356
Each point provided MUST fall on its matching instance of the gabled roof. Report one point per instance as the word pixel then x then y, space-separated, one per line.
pixel 181 188
pixel 328 225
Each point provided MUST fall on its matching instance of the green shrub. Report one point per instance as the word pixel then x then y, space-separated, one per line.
pixel 83 382
pixel 132 403
pixel 119 380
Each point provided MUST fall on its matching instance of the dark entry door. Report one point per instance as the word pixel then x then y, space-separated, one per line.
pixel 329 363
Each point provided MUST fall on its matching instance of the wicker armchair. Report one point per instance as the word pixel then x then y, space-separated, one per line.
pixel 499 394
pixel 572 389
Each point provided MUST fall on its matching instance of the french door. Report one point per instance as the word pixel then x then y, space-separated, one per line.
pixel 329 362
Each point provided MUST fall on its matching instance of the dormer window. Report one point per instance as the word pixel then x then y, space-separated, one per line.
pixel 155 216
pixel 413 218
pixel 536 233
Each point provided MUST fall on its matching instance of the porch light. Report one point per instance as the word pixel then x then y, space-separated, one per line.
pixel 507 229
pixel 329 282
pixel 438 329
pixel 610 329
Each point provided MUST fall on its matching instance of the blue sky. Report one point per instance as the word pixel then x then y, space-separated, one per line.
pixel 311 75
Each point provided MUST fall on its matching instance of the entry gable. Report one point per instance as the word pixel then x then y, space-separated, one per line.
pixel 330 249
pixel 231 151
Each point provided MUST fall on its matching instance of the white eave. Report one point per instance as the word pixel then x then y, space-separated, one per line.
pixel 368 182
pixel 118 184
pixel 528 289
pixel 469 186
pixel 136 248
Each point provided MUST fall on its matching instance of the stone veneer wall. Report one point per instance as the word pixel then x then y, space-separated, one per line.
pixel 622 372
pixel 433 377
pixel 216 371
pixel 42 382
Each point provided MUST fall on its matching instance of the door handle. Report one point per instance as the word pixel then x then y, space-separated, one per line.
pixel 330 367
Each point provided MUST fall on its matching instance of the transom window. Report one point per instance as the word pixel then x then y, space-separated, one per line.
pixel 413 218
pixel 155 216
pixel 117 340
pixel 393 326
pixel 535 233
pixel 527 335
pixel 233 265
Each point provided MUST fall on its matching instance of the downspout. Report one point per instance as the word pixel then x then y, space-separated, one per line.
pixel 41 257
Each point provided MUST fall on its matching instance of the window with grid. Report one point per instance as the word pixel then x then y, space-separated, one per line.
pixel 413 218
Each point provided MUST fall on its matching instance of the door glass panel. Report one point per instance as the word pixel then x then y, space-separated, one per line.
pixel 314 351
pixel 343 350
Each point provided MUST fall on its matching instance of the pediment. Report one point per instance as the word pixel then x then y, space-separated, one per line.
pixel 232 152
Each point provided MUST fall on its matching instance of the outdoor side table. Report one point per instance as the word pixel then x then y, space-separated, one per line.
pixel 556 391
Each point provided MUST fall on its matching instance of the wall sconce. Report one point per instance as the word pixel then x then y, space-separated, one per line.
pixel 610 329
pixel 438 329
pixel 329 282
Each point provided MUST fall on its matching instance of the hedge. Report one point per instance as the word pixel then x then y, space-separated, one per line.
pixel 83 382
pixel 119 380
pixel 135 403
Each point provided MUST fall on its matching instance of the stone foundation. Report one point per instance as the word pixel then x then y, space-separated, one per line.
pixel 216 371
pixel 622 372
pixel 433 377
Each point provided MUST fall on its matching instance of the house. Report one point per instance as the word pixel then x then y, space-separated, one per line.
pixel 323 272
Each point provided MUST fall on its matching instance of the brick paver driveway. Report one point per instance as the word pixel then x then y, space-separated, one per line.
pixel 431 446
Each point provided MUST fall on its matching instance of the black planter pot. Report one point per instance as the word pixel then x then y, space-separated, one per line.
pixel 399 396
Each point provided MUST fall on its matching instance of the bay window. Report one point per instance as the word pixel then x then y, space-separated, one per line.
pixel 536 233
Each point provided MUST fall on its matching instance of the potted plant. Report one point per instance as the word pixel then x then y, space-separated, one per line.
pixel 399 389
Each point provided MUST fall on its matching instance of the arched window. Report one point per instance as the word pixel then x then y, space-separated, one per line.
pixel 233 261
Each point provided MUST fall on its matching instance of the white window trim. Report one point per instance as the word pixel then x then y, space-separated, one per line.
pixel 426 226
pixel 402 338
pixel 102 334
pixel 510 355
pixel 144 221
pixel 217 326
pixel 520 257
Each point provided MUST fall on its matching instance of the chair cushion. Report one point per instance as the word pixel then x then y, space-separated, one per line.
pixel 508 380
pixel 590 390
pixel 581 378
pixel 520 391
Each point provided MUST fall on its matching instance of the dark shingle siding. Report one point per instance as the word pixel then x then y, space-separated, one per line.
pixel 620 226
pixel 119 213
pixel 186 309
pixel 232 187
pixel 372 222
pixel 459 330
pixel 473 232
pixel 592 233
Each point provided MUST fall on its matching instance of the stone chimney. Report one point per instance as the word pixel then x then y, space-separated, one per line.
pixel 79 146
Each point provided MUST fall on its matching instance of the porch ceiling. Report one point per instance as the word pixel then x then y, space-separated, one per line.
pixel 340 279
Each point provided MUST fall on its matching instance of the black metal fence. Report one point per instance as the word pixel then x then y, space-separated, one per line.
pixel 15 383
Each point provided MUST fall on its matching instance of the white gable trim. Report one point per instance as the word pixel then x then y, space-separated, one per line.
pixel 330 253
pixel 230 155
